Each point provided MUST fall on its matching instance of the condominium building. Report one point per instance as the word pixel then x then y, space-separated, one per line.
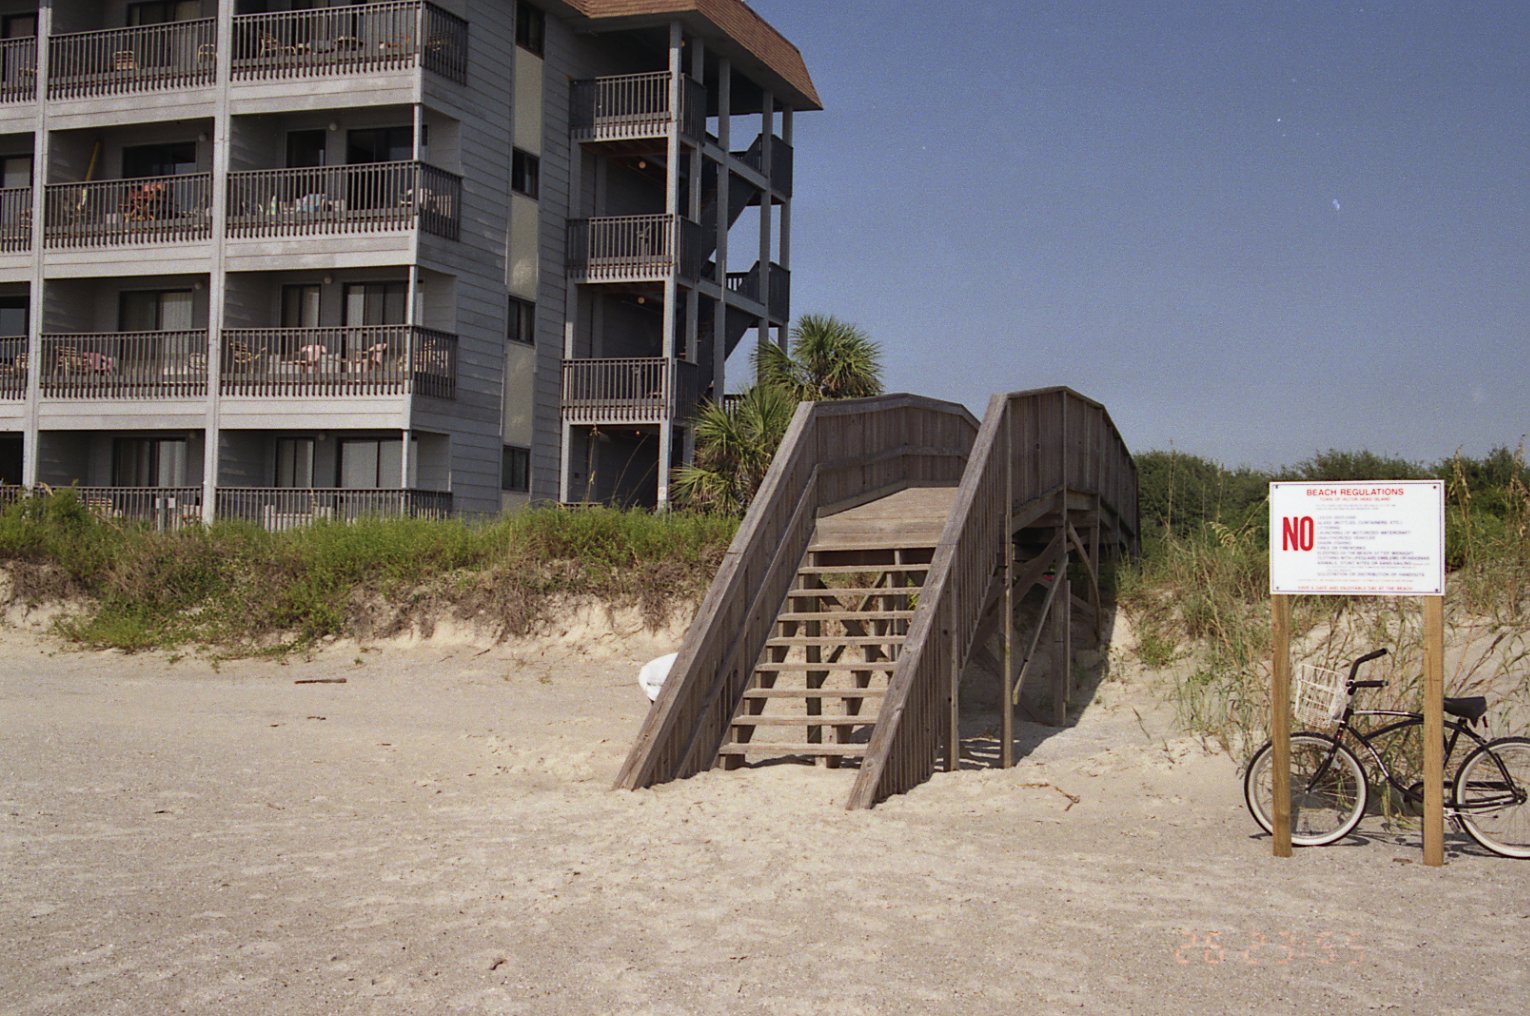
pixel 284 259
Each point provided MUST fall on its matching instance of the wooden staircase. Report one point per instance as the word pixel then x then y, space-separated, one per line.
pixel 822 676
pixel 864 578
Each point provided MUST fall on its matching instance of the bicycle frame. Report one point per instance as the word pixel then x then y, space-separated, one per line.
pixel 1453 730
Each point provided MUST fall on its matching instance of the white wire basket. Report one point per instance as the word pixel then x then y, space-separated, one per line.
pixel 1319 694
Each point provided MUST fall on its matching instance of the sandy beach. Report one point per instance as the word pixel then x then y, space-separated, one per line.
pixel 437 834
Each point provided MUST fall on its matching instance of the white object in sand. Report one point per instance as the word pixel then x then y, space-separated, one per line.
pixel 652 676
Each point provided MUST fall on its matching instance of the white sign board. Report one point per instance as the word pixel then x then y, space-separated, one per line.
pixel 1368 538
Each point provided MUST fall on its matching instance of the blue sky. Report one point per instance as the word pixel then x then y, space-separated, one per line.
pixel 1252 230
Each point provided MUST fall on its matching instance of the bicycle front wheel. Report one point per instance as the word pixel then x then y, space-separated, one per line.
pixel 1328 791
pixel 1491 796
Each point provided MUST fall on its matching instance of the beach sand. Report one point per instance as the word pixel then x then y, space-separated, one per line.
pixel 437 834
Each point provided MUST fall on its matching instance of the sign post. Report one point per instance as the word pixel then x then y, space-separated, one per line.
pixel 1352 538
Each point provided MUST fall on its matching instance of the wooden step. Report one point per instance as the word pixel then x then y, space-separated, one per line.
pixel 868 720
pixel 845 615
pixel 892 544
pixel 839 693
pixel 821 750
pixel 868 591
pixel 839 666
pixel 859 569
pixel 780 641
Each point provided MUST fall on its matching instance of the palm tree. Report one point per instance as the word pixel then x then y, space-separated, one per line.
pixel 733 449
pixel 829 359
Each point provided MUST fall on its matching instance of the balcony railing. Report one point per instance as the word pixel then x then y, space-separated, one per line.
pixel 124 365
pixel 15 219
pixel 628 390
pixel 330 362
pixel 633 248
pixel 162 507
pixel 278 509
pixel 13 367
pixel 780 281
pixel 368 198
pixel 350 40
pixel 18 70
pixel 119 61
pixel 110 213
pixel 623 107
pixel 780 161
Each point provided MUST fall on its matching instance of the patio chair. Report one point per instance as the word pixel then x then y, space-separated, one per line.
pixel 242 359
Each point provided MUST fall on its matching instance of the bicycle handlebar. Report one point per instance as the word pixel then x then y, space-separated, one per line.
pixel 1355 667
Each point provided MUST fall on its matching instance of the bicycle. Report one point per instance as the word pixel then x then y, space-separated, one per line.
pixel 1329 793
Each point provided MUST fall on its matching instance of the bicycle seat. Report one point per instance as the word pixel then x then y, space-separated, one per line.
pixel 1470 709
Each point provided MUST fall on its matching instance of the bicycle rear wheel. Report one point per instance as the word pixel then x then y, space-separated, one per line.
pixel 1328 791
pixel 1491 796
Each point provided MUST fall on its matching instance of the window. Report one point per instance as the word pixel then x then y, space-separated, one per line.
pixel 307 148
pixel 522 323
pixel 175 158
pixel 515 470
pixel 376 303
pixel 530 28
pixel 372 464
pixel 148 462
pixel 160 12
pixel 17 170
pixel 294 462
pixel 300 306
pixel 14 316
pixel 525 173
pixel 380 144
pixel 18 26
pixel 154 310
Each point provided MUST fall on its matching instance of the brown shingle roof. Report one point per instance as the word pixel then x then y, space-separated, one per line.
pixel 733 19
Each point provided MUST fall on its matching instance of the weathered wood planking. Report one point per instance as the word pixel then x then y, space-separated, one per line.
pixel 832 453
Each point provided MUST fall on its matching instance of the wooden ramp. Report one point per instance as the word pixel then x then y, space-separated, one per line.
pixel 890 541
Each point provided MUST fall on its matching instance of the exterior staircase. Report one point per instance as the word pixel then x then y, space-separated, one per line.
pixel 820 681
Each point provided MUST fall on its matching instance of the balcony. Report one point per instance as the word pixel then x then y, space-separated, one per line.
pixel 368 198
pixel 165 508
pixel 633 248
pixel 631 107
pixel 628 390
pixel 18 70
pixel 13 367
pixel 376 360
pixel 122 61
pixel 124 365
pixel 278 509
pixel 113 213
pixel 369 39
pixel 15 220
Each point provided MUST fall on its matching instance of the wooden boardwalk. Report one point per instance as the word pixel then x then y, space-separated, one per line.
pixel 890 542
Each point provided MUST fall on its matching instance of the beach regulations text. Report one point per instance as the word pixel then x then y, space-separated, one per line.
pixel 1383 538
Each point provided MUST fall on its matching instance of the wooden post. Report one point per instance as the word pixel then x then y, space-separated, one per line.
pixel 1280 724
pixel 1007 548
pixel 953 729
pixel 1062 649
pixel 1434 731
